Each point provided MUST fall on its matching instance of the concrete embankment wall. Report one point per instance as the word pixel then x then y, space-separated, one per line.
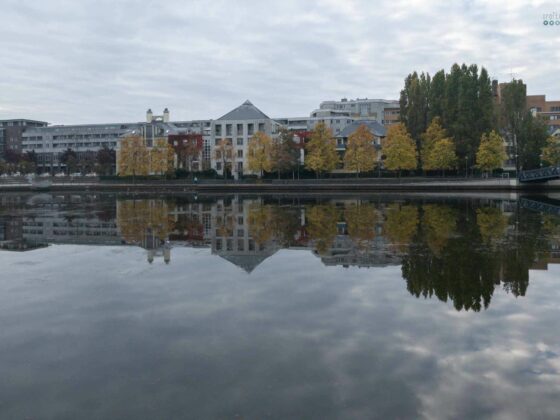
pixel 303 186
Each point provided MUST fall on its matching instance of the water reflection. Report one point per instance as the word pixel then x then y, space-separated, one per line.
pixel 454 250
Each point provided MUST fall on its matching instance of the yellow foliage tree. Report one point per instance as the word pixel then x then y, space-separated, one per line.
pixel 399 149
pixel 223 153
pixel 133 157
pixel 431 136
pixel 161 157
pixel 360 153
pixel 401 224
pixel 321 150
pixel 551 152
pixel 491 153
pixel 260 148
pixel 441 156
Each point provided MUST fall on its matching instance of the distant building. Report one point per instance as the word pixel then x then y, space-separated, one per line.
pixel 11 133
pixel 383 111
pixel 548 110
pixel 378 131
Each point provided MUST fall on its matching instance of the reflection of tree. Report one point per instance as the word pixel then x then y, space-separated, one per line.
pixel 361 220
pixel 439 222
pixel 460 271
pixel 137 217
pixel 401 223
pixel 259 221
pixel 285 222
pixel 322 219
pixel 492 224
pixel 469 266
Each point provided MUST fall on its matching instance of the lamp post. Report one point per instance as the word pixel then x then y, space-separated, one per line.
pixel 466 166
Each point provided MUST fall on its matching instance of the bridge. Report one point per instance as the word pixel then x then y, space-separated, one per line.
pixel 542 206
pixel 540 175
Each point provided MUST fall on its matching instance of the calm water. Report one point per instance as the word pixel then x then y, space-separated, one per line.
pixel 260 307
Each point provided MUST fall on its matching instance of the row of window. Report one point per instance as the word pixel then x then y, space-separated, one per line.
pixel 240 129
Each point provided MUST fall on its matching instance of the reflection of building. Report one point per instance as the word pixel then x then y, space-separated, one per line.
pixel 11 236
pixel 232 238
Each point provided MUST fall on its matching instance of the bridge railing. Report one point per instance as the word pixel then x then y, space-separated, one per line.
pixel 541 174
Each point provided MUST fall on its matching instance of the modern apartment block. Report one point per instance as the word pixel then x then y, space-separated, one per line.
pixel 383 111
pixel 12 131
pixel 548 110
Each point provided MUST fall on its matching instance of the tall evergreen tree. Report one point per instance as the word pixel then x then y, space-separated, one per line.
pixel 436 98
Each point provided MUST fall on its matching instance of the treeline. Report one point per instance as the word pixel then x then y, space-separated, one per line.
pixel 465 103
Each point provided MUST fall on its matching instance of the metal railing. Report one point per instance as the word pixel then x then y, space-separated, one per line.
pixel 541 174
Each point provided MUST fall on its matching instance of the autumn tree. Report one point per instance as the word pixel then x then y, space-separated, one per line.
pixel 284 152
pixel 260 150
pixel 551 152
pixel 189 150
pixel 223 153
pixel 399 149
pixel 429 138
pixel 321 150
pixel 133 157
pixel 491 152
pixel 161 156
pixel 360 153
pixel 442 155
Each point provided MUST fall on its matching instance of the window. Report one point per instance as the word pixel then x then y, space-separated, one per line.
pixel 240 153
pixel 240 219
pixel 555 108
pixel 219 166
pixel 239 129
pixel 240 245
pixel 228 129
pixel 240 167
pixel 250 129
pixel 217 142
pixel 218 130
pixel 240 141
pixel 261 127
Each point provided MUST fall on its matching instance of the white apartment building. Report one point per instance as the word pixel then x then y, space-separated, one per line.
pixel 237 127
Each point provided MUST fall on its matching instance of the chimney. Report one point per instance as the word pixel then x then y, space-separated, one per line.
pixel 165 115
pixel 149 116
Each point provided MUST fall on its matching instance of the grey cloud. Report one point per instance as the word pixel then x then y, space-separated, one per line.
pixel 96 61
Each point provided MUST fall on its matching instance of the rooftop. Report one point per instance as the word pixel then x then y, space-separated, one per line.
pixel 245 111
pixel 374 127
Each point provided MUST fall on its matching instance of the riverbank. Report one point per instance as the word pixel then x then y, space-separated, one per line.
pixel 322 185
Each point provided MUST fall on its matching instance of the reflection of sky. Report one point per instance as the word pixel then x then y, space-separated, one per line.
pixel 96 332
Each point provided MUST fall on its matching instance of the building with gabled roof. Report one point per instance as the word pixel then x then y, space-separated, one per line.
pixel 236 129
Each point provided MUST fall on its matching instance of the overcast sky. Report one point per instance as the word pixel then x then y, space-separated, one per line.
pixel 83 61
